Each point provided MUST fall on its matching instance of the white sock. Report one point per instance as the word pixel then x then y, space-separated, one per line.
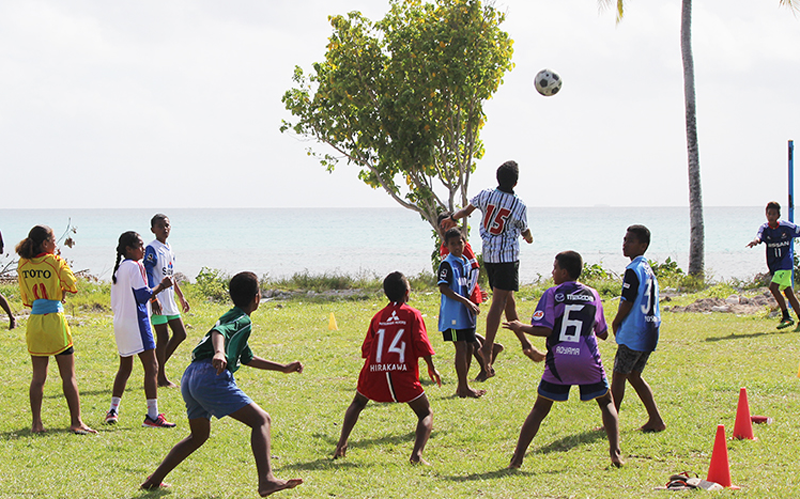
pixel 115 404
pixel 152 408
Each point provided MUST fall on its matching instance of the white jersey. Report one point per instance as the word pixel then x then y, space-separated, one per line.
pixel 130 301
pixel 505 217
pixel 159 260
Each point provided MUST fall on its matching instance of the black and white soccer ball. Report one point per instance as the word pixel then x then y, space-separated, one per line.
pixel 547 82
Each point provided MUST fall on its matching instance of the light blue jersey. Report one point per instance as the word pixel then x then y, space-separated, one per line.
pixel 639 330
pixel 455 272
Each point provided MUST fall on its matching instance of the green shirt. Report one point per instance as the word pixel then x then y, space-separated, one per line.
pixel 235 327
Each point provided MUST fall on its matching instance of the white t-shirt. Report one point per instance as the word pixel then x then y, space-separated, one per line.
pixel 158 261
pixel 130 301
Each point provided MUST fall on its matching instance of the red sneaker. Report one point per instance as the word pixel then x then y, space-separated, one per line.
pixel 159 422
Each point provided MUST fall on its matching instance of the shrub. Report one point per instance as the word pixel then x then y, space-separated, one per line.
pixel 213 284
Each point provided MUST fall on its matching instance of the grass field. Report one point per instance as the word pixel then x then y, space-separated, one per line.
pixel 702 361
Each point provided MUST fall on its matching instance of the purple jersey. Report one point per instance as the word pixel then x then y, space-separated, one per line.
pixel 779 244
pixel 574 313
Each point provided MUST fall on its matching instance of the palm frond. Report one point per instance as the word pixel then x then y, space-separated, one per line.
pixel 792 4
pixel 620 11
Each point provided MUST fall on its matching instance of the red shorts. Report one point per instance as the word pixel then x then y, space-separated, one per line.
pixel 389 386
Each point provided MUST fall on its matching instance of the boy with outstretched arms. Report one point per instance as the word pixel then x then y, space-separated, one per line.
pixel 504 219
pixel 570 316
pixel 457 312
pixel 395 341
pixel 209 388
pixel 636 326
pixel 778 235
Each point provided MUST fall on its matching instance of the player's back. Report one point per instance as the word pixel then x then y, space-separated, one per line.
pixel 572 353
pixel 395 341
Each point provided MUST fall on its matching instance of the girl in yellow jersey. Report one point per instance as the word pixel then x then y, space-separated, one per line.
pixel 44 277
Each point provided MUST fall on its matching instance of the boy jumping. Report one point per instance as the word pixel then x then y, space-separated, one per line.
pixel 208 388
pixel 778 235
pixel 504 220
pixel 636 326
pixel 396 339
pixel 570 316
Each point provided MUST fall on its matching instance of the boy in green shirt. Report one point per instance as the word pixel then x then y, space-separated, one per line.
pixel 208 388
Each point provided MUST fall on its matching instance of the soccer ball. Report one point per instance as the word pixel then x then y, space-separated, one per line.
pixel 547 82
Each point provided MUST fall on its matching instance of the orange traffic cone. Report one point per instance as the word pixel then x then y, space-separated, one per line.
pixel 743 428
pixel 332 323
pixel 719 470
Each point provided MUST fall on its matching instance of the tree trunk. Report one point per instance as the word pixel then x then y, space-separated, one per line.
pixel 697 238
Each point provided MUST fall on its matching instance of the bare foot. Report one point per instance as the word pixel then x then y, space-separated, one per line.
pixel 418 460
pixel 514 464
pixel 12 322
pixel 340 452
pixel 37 428
pixel 470 393
pixel 149 484
pixel 165 383
pixel 534 354
pixel 481 377
pixel 496 349
pixel 81 429
pixel 653 427
pixel 483 352
pixel 616 459
pixel 276 485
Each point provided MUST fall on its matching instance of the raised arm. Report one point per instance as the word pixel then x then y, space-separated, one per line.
pixel 463 212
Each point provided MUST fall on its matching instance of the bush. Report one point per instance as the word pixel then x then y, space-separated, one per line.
pixel 213 284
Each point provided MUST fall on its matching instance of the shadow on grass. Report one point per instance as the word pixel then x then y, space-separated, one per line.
pixel 407 438
pixel 568 442
pixel 166 493
pixel 27 433
pixel 160 493
pixel 87 393
pixel 488 475
pixel 324 463
pixel 734 336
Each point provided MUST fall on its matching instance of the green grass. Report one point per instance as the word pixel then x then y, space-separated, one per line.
pixel 702 361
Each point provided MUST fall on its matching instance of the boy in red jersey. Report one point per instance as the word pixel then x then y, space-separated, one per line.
pixel 396 339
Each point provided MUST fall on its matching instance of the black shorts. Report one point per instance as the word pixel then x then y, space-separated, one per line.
pixel 68 351
pixel 627 360
pixel 503 276
pixel 467 335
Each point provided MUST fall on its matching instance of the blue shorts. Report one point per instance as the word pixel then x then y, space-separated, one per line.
pixel 207 394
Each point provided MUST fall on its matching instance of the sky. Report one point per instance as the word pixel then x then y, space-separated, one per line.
pixel 178 104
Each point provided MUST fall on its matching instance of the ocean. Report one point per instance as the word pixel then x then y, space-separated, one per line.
pixel 279 242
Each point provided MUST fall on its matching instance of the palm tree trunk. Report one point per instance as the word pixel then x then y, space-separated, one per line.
pixel 697 237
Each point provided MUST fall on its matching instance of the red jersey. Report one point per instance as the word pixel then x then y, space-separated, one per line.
pixel 396 339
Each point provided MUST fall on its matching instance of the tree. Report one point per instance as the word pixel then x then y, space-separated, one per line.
pixel 697 229
pixel 402 98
